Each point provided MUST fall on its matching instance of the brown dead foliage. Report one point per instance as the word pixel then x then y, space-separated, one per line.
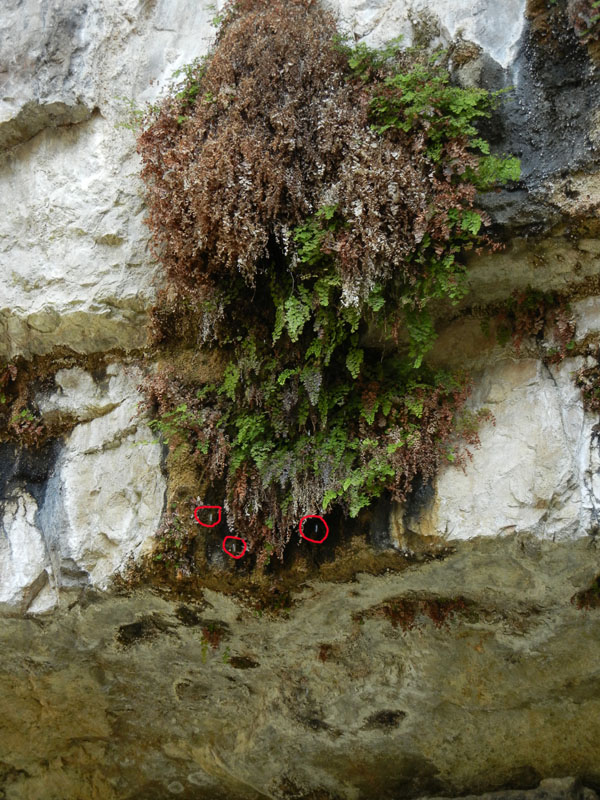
pixel 279 129
pixel 246 162
pixel 213 633
pixel 588 381
pixel 404 612
pixel 272 127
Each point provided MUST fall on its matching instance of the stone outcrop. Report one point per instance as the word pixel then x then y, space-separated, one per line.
pixel 471 666
pixel 76 510
pixel 465 674
pixel 536 470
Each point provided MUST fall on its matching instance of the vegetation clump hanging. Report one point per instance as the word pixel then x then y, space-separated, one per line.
pixel 301 192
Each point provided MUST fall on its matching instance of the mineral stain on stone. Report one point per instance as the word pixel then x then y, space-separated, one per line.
pixel 316 724
pixel 144 629
pixel 24 469
pixel 406 612
pixel 187 616
pixel 384 720
pixel 243 662
pixel 590 597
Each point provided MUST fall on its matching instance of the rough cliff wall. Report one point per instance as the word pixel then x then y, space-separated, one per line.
pixel 449 647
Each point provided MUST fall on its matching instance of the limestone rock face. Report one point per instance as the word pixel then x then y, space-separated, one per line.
pixel 73 248
pixel 72 67
pixel 23 557
pixel 74 512
pixel 497 31
pixel 536 470
pixel 474 668
pixel 45 83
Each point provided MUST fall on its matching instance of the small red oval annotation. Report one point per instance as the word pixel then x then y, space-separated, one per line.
pixel 239 539
pixel 207 524
pixel 314 516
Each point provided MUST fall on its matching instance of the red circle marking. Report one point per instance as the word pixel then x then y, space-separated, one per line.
pixel 239 538
pixel 314 516
pixel 207 524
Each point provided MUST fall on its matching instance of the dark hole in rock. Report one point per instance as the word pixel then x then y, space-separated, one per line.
pixel 525 777
pixel 135 631
pixel 208 516
pixel 588 598
pixel 379 528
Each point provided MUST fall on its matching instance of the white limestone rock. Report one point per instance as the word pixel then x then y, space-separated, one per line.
pixel 65 59
pixel 101 502
pixel 24 560
pixel 536 471
pixel 496 29
pixel 587 315
pixel 112 490
pixel 73 246
pixel 44 47
pixel 107 489
pixel 80 395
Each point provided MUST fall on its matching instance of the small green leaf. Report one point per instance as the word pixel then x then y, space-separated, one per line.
pixel 297 315
pixel 230 380
pixel 471 222
pixel 287 373
pixel 354 360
